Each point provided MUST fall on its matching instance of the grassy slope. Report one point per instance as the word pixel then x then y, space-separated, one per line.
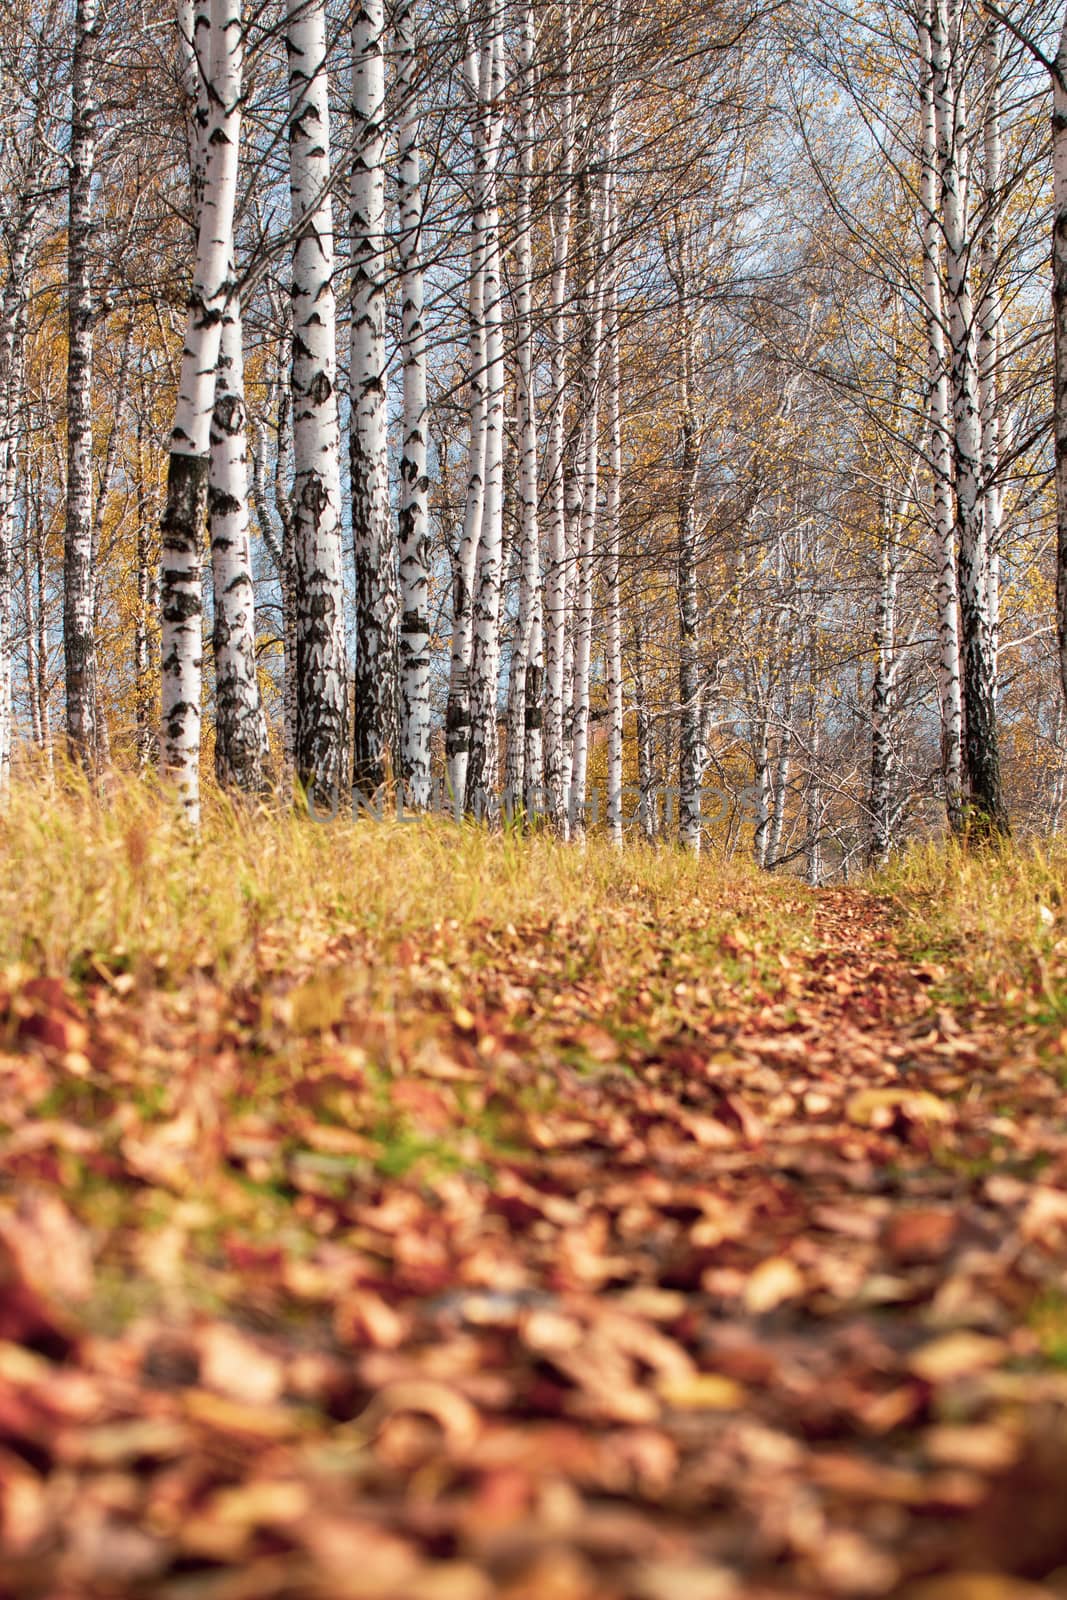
pixel 614 1227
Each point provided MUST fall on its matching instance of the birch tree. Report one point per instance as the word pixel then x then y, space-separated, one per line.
pixel 374 677
pixel 485 605
pixel 458 712
pixel 555 589
pixel 1059 324
pixel 321 671
pixel 217 39
pixel 240 734
pixel 982 761
pixel 523 772
pixel 79 642
pixel 413 494
pixel 948 657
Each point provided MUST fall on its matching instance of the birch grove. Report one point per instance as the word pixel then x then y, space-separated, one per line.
pixel 633 460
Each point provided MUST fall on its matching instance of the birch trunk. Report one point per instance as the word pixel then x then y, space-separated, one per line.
pixel 147 604
pixel 646 743
pixel 485 618
pixel 240 744
pixel 948 659
pixel 989 334
pixel 613 477
pixel 572 500
pixel 218 31
pixel 763 793
pixel 458 712
pixel 882 689
pixel 413 521
pixel 321 671
pixel 612 499
pixel 374 676
pixel 1059 323
pixel 521 778
pixel 985 805
pixel 11 351
pixel 13 305
pixel 555 592
pixel 691 750
pixel 583 616
pixel 79 633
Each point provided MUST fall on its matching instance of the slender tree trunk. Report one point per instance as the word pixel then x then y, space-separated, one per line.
pixel 458 712
pixel 33 680
pixel 218 35
pixel 375 673
pixel 321 668
pixel 646 739
pixel 815 802
pixel 783 769
pixel 413 522
pixel 691 750
pixel 1059 323
pixel 612 499
pixel 940 446
pixel 520 779
pixel 583 620
pixel 763 793
pixel 880 800
pixel 79 641
pixel 147 603
pixel 485 620
pixel 12 331
pixel 239 725
pixel 555 592
pixel 575 479
pixel 989 334
pixel 981 757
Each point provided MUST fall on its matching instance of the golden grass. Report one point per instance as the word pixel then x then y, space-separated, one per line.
pixel 115 877
pixel 994 916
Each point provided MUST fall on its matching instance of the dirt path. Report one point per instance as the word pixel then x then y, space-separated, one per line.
pixel 600 1283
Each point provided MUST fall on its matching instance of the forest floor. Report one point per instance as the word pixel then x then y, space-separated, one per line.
pixel 403 1214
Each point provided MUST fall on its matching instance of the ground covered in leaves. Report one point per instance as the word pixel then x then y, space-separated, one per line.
pixel 583 1228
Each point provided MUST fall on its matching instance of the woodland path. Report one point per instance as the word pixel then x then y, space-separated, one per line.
pixel 605 1281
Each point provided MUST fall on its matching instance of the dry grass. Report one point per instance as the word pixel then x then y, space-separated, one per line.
pixel 995 918
pixel 116 879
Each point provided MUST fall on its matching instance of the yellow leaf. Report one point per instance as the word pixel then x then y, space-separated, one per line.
pixel 771 1283
pixel 957 1355
pixel 876 1108
pixel 701 1391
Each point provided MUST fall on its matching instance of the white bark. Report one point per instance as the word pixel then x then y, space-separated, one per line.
pixel 612 507
pixel 240 732
pixel 218 32
pixel 948 655
pixel 321 669
pixel 1059 323
pixel 12 332
pixel 583 618
pixel 981 758
pixel 690 691
pixel 374 676
pixel 555 592
pixel 481 797
pixel 458 713
pixel 523 775
pixel 413 523
pixel 989 332
pixel 79 610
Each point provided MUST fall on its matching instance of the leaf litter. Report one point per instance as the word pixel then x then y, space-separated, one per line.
pixel 630 1259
